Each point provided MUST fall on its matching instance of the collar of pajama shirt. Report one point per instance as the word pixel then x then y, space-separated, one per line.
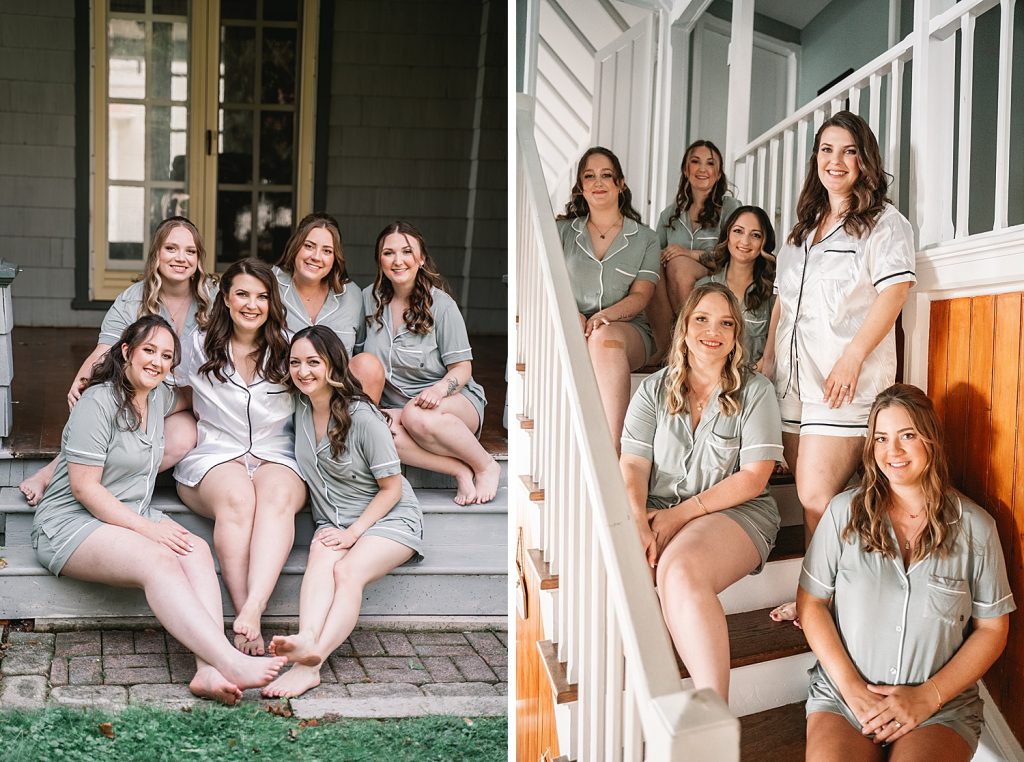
pixel 235 418
pixel 685 461
pixel 826 291
pixel 901 625
pixel 342 313
pixel 683 235
pixel 598 283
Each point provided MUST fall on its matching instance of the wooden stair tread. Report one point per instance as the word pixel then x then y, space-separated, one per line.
pixel 562 691
pixel 541 570
pixel 525 422
pixel 777 734
pixel 789 543
pixel 754 638
pixel 534 491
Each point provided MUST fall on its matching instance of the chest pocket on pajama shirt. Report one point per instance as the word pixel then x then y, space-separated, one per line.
pixel 839 264
pixel 721 452
pixel 949 600
pixel 412 359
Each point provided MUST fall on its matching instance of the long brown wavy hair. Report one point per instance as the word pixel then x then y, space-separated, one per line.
pixel 152 282
pixel 271 352
pixel 417 315
pixel 338 276
pixel 764 267
pixel 345 388
pixel 677 376
pixel 869 509
pixel 711 211
pixel 870 190
pixel 578 206
pixel 111 368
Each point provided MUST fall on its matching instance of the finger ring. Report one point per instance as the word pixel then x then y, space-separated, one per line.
pixel 845 386
pixel 898 724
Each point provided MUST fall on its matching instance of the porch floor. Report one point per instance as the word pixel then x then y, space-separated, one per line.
pixel 45 360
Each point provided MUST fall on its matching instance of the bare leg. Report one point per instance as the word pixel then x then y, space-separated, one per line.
pixel 709 554
pixel 323 630
pixel 661 319
pixel 227 496
pixel 822 467
pixel 280 494
pixel 34 486
pixel 681 274
pixel 936 743
pixel 448 430
pixel 117 556
pixel 179 438
pixel 412 453
pixel 615 350
pixel 830 738
pixel 368 369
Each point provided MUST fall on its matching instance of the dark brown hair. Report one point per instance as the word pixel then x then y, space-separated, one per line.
pixel 870 190
pixel 271 345
pixel 345 388
pixel 338 276
pixel 578 206
pixel 711 212
pixel 111 367
pixel 417 315
pixel 764 267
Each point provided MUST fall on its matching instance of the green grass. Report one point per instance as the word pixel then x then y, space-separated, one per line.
pixel 243 733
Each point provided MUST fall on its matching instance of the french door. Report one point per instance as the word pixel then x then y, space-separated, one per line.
pixel 203 109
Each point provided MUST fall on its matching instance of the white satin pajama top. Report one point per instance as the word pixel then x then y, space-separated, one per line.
pixel 235 418
pixel 825 292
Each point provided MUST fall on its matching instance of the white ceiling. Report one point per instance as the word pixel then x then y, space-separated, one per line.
pixel 796 13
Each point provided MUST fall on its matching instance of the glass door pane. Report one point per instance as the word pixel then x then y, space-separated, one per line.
pixel 256 120
pixel 147 131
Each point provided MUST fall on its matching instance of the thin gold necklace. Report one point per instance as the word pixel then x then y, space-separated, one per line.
pixel 701 404
pixel 608 229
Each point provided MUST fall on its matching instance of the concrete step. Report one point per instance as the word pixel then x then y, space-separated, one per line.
pixel 452 580
pixel 474 524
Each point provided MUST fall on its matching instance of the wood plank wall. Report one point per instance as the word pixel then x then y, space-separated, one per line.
pixel 536 735
pixel 976 380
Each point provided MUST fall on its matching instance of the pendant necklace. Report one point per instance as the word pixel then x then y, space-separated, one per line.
pixel 701 404
pixel 607 229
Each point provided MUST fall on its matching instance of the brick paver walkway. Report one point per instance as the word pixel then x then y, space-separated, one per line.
pixel 376 672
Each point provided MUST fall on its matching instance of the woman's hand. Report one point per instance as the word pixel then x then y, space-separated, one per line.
pixel 75 392
pixel 648 541
pixel 672 251
pixel 431 397
pixel 336 539
pixel 841 384
pixel 766 366
pixel 864 704
pixel 595 321
pixel 900 709
pixel 666 523
pixel 170 534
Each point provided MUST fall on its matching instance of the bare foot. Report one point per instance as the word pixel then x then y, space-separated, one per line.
pixel 248 639
pixel 294 682
pixel 211 684
pixel 487 482
pixel 33 487
pixel 249 647
pixel 465 493
pixel 785 613
pixel 298 649
pixel 252 671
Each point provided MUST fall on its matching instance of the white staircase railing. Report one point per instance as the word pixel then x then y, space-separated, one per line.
pixel 608 625
pixel 770 169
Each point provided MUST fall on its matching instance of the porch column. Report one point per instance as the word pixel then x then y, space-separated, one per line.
pixel 741 56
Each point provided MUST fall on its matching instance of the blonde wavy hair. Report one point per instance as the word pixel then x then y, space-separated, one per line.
pixel 152 282
pixel 869 509
pixel 676 378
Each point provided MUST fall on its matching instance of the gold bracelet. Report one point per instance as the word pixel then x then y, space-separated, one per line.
pixel 937 693
pixel 700 504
